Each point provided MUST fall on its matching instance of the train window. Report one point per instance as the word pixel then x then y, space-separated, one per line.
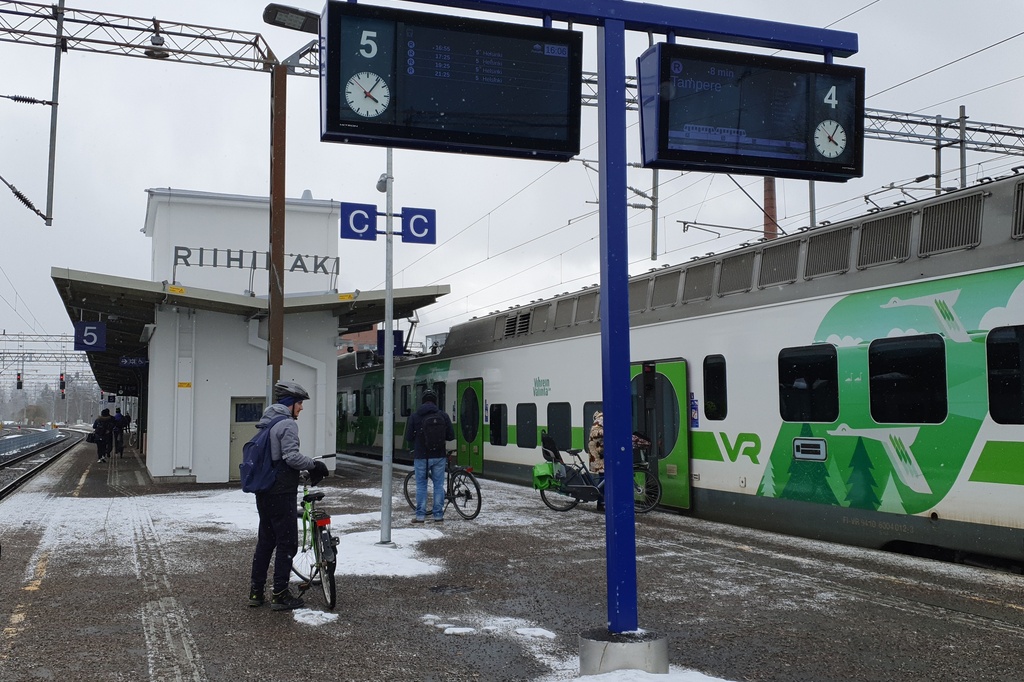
pixel 499 424
pixel 716 404
pixel 560 424
pixel 654 409
pixel 439 387
pixel 406 400
pixel 908 379
pixel 469 414
pixel 588 417
pixel 1005 351
pixel 809 384
pixel 526 425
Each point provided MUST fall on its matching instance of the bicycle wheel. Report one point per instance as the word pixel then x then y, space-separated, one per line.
pixel 133 438
pixel 327 561
pixel 465 494
pixel 646 491
pixel 304 565
pixel 557 500
pixel 410 489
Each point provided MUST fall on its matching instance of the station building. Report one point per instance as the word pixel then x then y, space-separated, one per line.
pixel 192 341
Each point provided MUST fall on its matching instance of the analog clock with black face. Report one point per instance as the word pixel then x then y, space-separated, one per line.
pixel 830 139
pixel 367 94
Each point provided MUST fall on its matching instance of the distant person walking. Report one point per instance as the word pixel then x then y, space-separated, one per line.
pixel 278 530
pixel 119 425
pixel 429 427
pixel 103 428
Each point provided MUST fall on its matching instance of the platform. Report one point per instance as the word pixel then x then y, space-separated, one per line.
pixel 108 576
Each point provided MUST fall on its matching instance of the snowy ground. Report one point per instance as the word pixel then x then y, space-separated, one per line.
pixel 364 556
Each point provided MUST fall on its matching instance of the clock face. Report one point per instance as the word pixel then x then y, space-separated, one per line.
pixel 830 139
pixel 367 94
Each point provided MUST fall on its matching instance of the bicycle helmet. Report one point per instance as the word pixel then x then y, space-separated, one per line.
pixel 289 389
pixel 429 397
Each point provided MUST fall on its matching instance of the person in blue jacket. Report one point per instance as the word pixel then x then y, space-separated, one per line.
pixel 278 530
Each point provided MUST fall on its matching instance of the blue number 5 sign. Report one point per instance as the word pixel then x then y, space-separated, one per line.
pixel 91 336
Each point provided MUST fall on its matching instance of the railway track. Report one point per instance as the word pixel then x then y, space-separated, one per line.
pixel 17 469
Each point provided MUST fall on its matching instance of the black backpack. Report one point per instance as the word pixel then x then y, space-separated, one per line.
pixel 435 430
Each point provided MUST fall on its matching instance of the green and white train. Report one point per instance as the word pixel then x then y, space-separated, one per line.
pixel 859 382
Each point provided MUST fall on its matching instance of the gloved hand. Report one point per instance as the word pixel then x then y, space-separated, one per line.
pixel 318 473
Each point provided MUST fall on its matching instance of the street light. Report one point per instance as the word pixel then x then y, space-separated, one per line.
pixel 307 22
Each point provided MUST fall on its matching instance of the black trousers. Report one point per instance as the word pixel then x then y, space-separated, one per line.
pixel 278 532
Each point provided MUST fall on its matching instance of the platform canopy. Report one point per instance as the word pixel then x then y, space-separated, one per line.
pixel 127 306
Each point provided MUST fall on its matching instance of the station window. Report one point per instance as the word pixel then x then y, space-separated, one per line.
pixel 560 424
pixel 809 384
pixel 499 424
pixel 908 380
pixel 1005 351
pixel 526 425
pixel 406 401
pixel 716 403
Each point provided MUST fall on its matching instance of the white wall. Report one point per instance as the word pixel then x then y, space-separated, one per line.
pixel 199 360
pixel 184 218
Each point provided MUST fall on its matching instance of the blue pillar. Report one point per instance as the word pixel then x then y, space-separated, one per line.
pixel 620 532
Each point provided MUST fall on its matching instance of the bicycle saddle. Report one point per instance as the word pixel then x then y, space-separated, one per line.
pixel 313 497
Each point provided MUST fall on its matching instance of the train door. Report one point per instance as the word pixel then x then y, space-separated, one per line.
pixel 469 427
pixel 245 412
pixel 661 412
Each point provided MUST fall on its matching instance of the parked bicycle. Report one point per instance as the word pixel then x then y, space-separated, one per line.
pixel 316 559
pixel 563 485
pixel 461 490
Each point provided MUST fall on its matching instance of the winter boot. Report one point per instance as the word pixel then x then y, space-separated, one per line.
pixel 285 600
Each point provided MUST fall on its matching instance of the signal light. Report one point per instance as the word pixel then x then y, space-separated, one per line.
pixel 62 396
pixel 62 385
pixel 19 381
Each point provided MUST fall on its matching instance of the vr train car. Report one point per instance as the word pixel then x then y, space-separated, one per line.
pixel 858 382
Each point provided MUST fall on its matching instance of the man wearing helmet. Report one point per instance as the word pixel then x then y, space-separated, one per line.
pixel 278 531
pixel 427 431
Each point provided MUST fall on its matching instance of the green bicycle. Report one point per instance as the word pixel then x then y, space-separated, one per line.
pixel 316 559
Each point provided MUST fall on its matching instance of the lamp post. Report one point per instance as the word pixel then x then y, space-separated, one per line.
pixel 306 22
pixel 386 184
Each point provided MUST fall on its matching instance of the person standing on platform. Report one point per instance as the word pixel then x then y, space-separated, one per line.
pixel 595 446
pixel 103 428
pixel 429 427
pixel 118 432
pixel 278 530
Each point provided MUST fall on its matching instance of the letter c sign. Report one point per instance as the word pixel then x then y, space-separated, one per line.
pixel 359 221
pixel 419 225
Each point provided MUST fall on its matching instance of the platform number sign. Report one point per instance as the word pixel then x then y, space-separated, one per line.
pixel 91 336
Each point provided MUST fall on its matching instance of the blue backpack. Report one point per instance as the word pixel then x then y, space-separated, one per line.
pixel 257 469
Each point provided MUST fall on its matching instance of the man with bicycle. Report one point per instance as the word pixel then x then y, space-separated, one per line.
pixel 428 429
pixel 278 530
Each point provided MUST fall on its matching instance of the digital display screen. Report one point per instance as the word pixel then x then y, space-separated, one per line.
pixel 717 111
pixel 423 81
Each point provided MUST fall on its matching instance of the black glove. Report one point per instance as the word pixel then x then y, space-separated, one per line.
pixel 318 473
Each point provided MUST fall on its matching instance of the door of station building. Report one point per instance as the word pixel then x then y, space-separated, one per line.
pixel 469 429
pixel 661 412
pixel 245 412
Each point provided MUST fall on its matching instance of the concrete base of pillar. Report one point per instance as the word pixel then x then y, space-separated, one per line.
pixel 602 651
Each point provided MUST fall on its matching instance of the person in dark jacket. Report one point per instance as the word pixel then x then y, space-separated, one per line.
pixel 103 428
pixel 278 530
pixel 424 462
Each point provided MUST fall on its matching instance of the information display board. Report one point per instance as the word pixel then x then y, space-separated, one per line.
pixel 732 112
pixel 405 79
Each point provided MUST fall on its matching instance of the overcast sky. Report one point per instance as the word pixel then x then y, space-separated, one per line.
pixel 509 230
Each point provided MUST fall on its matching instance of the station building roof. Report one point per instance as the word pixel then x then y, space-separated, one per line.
pixel 127 306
